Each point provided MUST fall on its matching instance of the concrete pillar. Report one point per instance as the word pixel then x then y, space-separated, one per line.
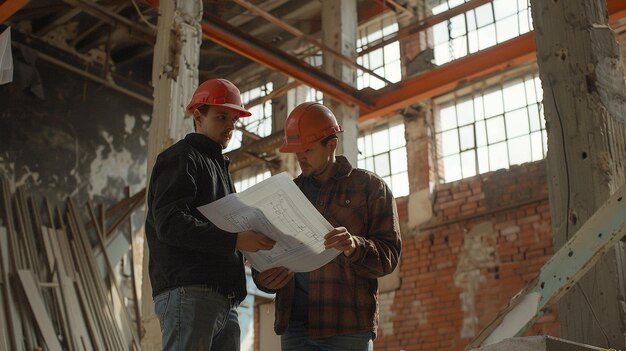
pixel 175 77
pixel 417 51
pixel 339 23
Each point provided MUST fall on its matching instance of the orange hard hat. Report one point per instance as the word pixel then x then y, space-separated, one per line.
pixel 218 92
pixel 306 125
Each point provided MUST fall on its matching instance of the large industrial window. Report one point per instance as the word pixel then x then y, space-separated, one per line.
pixel 249 180
pixel 490 129
pixel 384 61
pixel 480 28
pixel 260 123
pixel 382 150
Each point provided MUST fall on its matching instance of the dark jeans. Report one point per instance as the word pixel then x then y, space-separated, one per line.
pixel 296 338
pixel 197 318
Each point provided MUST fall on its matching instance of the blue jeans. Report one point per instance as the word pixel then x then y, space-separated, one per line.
pixel 296 338
pixel 197 318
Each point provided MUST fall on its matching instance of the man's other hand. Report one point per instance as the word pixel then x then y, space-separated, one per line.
pixel 275 278
pixel 340 239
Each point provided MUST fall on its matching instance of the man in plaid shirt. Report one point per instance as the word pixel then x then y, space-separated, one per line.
pixel 334 307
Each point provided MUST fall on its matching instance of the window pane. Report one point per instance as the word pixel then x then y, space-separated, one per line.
pixel 392 52
pixel 381 164
pixel 504 8
pixel 524 21
pixel 483 159
pixel 457 26
pixel 369 151
pixel 493 103
pixel 396 136
pixel 495 129
pixel 459 48
pixel 481 133
pixel 484 15
pixel 472 41
pixel 537 146
pixel 470 17
pixel 478 108
pixel 400 184
pixel 380 141
pixel 507 28
pixel 440 32
pixel 442 53
pixel 452 168
pixel 467 137
pixel 398 160
pixel 519 150
pixel 376 59
pixel 450 142
pixel 517 123
pixel 514 96
pixel 465 112
pixel 498 157
pixel 531 96
pixel 486 37
pixel 447 118
pixel 468 163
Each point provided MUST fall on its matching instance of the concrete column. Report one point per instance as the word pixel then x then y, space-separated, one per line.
pixel 416 52
pixel 339 23
pixel 175 77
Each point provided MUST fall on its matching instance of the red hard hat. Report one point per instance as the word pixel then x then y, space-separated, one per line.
pixel 306 125
pixel 218 92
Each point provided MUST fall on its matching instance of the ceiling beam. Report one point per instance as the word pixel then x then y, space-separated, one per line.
pixel 275 59
pixel 114 19
pixel 10 7
pixel 299 34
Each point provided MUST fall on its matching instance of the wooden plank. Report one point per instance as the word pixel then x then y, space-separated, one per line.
pixel 4 322
pixel 127 320
pixel 67 302
pixel 31 290
pixel 81 319
pixel 8 263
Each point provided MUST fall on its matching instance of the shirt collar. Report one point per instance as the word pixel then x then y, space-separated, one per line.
pixel 343 167
pixel 204 144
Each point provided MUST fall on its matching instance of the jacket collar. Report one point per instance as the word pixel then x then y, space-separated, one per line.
pixel 205 145
pixel 343 168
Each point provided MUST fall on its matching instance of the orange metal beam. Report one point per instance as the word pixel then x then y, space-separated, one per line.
pixel 10 7
pixel 275 59
pixel 446 78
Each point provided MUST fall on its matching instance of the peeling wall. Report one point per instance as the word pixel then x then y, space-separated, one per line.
pixel 77 138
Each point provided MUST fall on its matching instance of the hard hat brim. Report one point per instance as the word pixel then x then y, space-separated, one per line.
pixel 292 149
pixel 242 111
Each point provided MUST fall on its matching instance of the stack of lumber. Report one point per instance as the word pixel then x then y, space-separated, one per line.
pixel 53 296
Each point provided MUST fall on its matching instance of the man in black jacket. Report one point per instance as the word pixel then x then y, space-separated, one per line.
pixel 196 269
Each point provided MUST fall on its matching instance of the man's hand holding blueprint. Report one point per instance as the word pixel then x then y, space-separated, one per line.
pixel 277 208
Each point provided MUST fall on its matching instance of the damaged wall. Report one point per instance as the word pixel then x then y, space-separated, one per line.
pixel 64 135
pixel 488 237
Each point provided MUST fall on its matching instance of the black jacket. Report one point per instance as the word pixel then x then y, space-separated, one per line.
pixel 185 248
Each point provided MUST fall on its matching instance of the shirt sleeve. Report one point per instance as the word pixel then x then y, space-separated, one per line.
pixel 377 254
pixel 174 190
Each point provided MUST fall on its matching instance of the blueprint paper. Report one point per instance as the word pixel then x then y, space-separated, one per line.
pixel 277 208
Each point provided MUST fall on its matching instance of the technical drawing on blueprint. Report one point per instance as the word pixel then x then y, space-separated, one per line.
pixel 277 208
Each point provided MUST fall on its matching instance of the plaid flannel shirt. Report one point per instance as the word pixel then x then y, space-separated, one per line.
pixel 343 294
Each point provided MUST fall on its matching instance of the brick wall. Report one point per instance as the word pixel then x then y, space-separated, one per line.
pixel 488 237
